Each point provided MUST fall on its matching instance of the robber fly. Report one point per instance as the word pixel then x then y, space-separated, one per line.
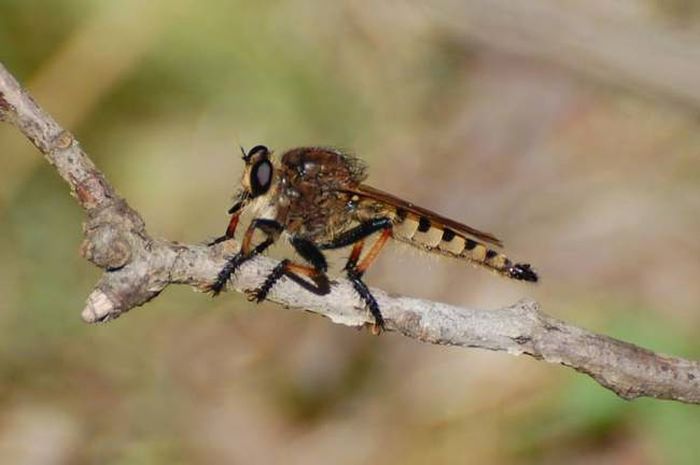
pixel 315 199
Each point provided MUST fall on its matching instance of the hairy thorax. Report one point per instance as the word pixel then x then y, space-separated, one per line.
pixel 310 190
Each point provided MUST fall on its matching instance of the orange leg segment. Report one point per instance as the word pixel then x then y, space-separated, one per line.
pixel 374 251
pixel 304 270
pixel 355 272
pixel 247 240
pixel 295 272
pixel 356 252
pixel 231 229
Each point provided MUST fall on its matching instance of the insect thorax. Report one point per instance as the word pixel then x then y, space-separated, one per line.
pixel 311 183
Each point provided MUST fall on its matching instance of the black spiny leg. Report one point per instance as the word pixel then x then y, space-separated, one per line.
pixel 234 263
pixel 358 233
pixel 355 270
pixel 317 272
pixel 270 227
pixel 360 287
pixel 259 294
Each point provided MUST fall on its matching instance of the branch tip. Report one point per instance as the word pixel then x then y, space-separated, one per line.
pixel 98 308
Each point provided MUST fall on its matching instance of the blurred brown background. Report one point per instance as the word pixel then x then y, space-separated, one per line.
pixel 570 128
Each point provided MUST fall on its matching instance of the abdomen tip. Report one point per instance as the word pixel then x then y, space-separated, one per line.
pixel 523 272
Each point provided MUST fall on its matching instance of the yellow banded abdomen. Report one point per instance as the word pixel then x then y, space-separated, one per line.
pixel 423 233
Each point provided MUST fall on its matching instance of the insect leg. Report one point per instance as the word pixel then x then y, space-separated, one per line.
pixel 317 272
pixel 230 230
pixel 374 252
pixel 310 252
pixel 369 300
pixel 351 236
pixel 355 271
pixel 270 227
pixel 235 213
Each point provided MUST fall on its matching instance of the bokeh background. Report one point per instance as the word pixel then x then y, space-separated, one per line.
pixel 572 129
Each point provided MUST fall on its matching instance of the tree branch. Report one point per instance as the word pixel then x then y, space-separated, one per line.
pixel 138 267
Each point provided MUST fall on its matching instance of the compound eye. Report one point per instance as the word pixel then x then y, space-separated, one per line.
pixel 258 149
pixel 261 177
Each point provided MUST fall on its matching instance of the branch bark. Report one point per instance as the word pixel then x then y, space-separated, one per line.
pixel 138 267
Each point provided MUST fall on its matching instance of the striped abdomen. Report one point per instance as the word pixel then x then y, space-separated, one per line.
pixel 422 232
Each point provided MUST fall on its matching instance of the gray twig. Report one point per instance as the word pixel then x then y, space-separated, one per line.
pixel 138 267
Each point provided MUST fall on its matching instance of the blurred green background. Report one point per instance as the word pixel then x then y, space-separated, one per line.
pixel 571 129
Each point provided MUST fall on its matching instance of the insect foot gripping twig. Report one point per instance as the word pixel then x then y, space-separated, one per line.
pixel 138 267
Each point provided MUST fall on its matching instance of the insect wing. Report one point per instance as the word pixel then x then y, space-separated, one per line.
pixel 369 192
